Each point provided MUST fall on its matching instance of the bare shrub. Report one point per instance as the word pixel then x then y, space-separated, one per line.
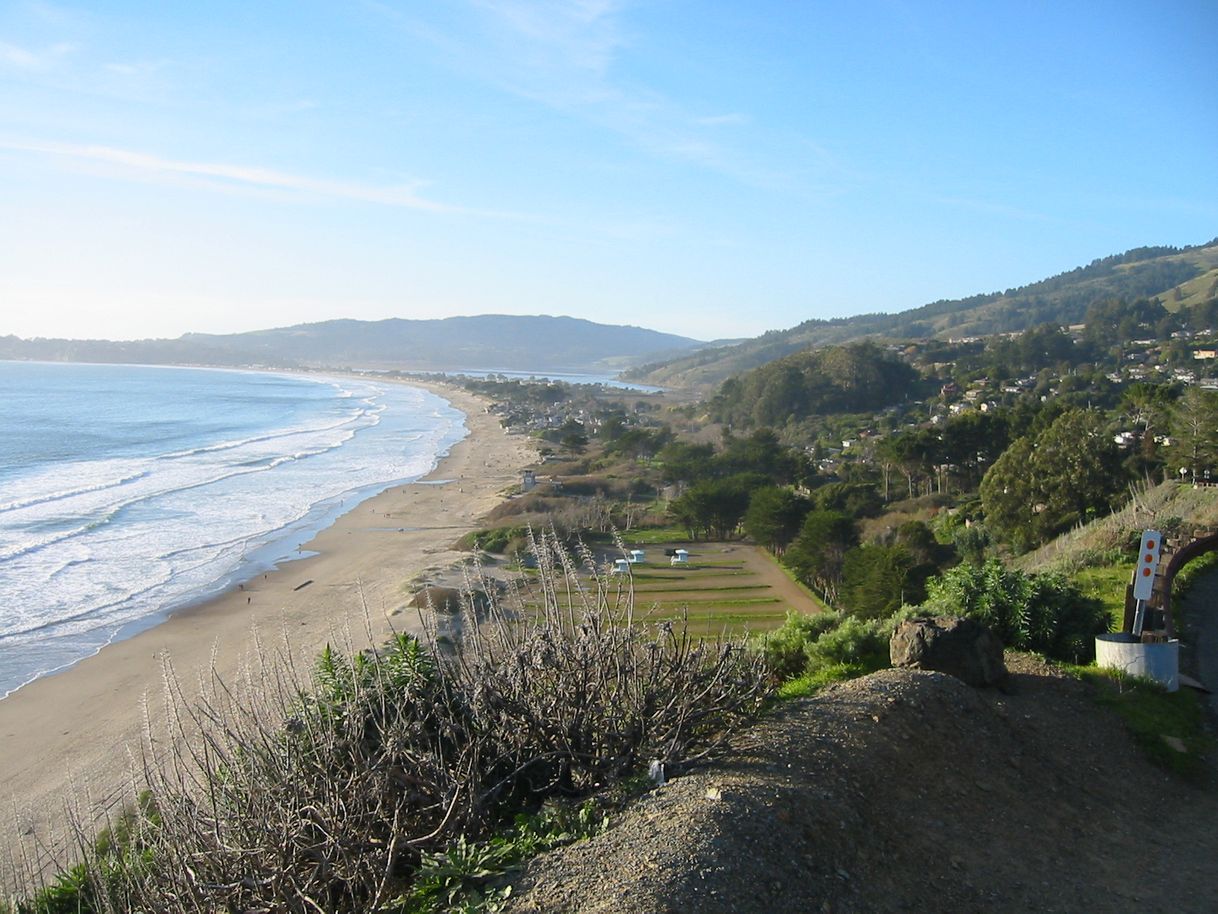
pixel 321 792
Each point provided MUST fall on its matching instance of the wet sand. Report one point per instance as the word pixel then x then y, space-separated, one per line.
pixel 68 733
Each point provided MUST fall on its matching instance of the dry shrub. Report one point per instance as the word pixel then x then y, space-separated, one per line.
pixel 321 793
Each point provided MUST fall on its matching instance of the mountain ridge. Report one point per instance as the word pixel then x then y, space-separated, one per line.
pixel 1176 277
pixel 492 341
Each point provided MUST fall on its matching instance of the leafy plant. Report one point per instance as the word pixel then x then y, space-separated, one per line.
pixel 783 648
pixel 1043 613
pixel 471 876
pixel 809 652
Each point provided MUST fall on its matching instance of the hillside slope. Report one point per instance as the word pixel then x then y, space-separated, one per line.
pixel 1177 277
pixel 489 341
pixel 906 791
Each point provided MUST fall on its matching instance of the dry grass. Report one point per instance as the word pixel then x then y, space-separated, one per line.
pixel 1169 507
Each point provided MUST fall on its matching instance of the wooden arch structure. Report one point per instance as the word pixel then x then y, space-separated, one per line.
pixel 1175 554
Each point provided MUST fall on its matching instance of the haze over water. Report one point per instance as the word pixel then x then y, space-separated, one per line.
pixel 127 491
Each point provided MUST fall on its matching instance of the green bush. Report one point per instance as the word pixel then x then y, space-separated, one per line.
pixel 784 647
pixel 810 651
pixel 1043 613
pixel 499 540
pixel 856 643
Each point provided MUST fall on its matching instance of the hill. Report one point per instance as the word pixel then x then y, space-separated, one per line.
pixel 500 342
pixel 1175 277
pixel 906 791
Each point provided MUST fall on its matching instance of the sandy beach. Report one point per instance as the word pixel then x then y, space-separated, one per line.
pixel 67 733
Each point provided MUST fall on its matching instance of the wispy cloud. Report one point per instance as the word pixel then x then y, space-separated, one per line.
pixel 565 55
pixel 558 35
pixel 135 68
pixel 723 120
pixel 22 58
pixel 405 196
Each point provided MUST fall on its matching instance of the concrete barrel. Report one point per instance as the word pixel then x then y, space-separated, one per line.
pixel 1158 661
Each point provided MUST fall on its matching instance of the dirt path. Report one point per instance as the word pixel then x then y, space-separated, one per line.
pixel 761 563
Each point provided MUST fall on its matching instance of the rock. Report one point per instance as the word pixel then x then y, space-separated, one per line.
pixel 964 648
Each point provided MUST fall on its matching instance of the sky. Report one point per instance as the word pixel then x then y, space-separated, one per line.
pixel 713 169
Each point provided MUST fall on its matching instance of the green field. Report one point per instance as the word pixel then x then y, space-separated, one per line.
pixel 715 593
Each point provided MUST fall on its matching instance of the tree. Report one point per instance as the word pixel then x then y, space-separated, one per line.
pixel 858 499
pixel 818 553
pixel 915 452
pixel 640 443
pixel 973 440
pixel 774 517
pixel 875 578
pixel 1194 426
pixel 575 442
pixel 715 507
pixel 1148 406
pixel 1039 487
pixel 682 461
pixel 1007 492
pixel 761 452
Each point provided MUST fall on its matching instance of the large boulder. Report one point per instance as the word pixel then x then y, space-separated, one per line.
pixel 964 648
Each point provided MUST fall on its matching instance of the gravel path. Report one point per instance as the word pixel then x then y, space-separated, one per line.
pixel 906 791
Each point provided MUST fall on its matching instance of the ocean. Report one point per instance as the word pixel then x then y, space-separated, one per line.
pixel 130 491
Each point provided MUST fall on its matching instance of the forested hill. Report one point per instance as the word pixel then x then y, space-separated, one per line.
pixel 1175 277
pixel 505 342
pixel 856 378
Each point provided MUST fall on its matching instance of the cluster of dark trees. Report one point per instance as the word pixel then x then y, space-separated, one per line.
pixel 749 485
pixel 841 379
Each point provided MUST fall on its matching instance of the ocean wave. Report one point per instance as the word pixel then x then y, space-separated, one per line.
pixel 36 500
pixel 71 623
pixel 26 547
pixel 161 486
pixel 107 554
pixel 277 435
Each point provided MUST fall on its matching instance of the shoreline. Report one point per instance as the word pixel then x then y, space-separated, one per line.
pixel 65 733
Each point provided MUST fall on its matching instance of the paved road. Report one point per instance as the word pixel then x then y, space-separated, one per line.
pixel 1201 630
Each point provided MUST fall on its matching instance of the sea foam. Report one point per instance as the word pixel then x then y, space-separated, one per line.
pixel 128 491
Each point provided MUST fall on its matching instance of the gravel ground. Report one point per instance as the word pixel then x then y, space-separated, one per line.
pixel 906 791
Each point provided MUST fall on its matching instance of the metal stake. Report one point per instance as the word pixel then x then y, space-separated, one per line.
pixel 1139 618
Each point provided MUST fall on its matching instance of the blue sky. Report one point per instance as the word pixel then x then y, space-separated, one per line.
pixel 711 169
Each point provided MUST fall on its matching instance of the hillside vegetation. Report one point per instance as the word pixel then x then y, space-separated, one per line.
pixel 1176 277
pixel 855 378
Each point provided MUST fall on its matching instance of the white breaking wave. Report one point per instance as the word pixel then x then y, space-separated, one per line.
pixel 90 547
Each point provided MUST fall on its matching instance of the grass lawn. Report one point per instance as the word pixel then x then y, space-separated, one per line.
pixel 730 587
pixel 1169 726
pixel 1107 584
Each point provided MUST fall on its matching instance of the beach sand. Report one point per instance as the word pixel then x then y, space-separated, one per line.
pixel 67 734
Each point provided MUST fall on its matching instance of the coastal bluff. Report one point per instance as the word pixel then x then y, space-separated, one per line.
pixel 906 791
